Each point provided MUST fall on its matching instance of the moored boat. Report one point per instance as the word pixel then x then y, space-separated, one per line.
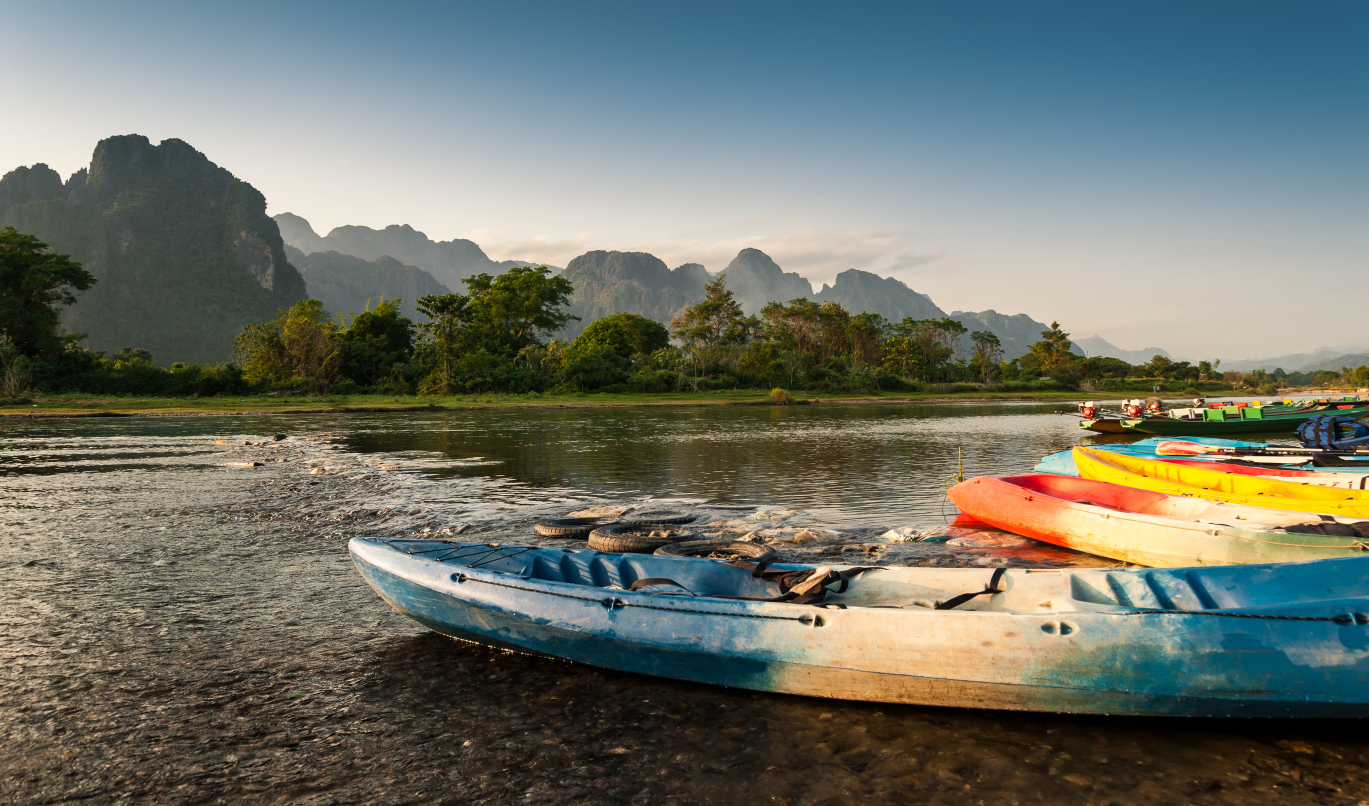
pixel 1175 479
pixel 1150 528
pixel 1102 641
pixel 1236 420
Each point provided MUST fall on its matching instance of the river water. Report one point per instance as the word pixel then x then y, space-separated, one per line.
pixel 178 630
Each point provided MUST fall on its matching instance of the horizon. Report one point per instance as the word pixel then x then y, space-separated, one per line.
pixel 1046 161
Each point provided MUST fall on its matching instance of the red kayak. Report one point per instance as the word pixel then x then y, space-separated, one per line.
pixel 1152 528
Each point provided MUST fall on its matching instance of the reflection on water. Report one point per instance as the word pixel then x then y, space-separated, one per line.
pixel 183 632
pixel 861 464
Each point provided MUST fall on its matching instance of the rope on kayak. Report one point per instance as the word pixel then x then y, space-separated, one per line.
pixel 614 602
pixel 452 551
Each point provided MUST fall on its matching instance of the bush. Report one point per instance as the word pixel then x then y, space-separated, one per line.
pixel 660 380
pixel 780 397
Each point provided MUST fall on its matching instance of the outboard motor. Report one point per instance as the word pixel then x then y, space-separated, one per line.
pixel 1089 410
pixel 1133 408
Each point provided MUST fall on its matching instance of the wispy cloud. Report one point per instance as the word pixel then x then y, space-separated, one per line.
pixel 818 255
pixel 912 262
pixel 534 249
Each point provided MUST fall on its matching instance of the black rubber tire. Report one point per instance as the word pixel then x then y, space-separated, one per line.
pixel 635 538
pixel 660 517
pixel 703 548
pixel 570 527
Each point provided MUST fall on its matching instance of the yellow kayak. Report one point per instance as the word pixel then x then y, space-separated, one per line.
pixel 1215 485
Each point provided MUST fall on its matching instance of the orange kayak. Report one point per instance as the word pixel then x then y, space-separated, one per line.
pixel 1152 528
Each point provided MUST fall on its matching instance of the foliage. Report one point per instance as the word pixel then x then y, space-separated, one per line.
pixel 780 397
pixel 1052 351
pixel 627 334
pixel 35 283
pixel 303 343
pixel 716 321
pixel 377 346
pixel 499 316
pixel 988 352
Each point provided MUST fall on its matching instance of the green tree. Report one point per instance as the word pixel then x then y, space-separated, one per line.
pixel 301 344
pixel 1158 367
pixel 378 342
pixel 35 283
pixel 988 351
pixel 903 356
pixel 627 334
pixel 1052 351
pixel 717 320
pixel 477 333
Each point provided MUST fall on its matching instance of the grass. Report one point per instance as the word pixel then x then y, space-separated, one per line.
pixel 84 405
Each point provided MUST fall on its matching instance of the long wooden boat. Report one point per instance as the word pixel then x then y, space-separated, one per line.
pixel 1174 479
pixel 1098 641
pixel 1104 425
pixel 1149 528
pixel 1233 420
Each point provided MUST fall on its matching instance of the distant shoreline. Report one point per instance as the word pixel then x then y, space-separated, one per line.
pixel 96 406
pixel 77 405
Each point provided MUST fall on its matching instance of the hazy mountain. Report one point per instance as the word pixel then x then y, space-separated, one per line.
pixel 755 279
pixel 449 262
pixel 1291 362
pixel 635 282
pixel 1098 347
pixel 183 251
pixel 863 292
pixel 1336 363
pixel 1016 333
pixel 349 284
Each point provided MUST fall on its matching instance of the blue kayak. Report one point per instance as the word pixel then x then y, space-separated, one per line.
pixel 1283 640
pixel 1062 463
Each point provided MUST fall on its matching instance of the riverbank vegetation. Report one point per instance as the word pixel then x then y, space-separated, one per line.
pixel 497 339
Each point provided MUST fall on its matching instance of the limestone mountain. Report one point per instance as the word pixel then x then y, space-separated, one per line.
pixel 449 262
pixel 183 251
pixel 862 292
pixel 1099 347
pixel 348 284
pixel 755 279
pixel 635 282
pixel 1016 332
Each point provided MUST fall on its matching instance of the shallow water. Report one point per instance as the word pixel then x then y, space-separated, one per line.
pixel 181 631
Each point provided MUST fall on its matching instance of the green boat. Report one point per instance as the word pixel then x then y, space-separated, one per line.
pixel 1233 420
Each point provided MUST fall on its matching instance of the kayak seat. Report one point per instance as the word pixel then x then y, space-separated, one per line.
pixel 619 571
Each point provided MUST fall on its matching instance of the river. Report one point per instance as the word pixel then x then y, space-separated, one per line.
pixel 179 630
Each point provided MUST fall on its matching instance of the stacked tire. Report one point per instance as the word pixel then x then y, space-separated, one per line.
pixel 636 538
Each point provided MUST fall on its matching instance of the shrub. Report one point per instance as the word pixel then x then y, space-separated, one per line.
pixel 660 380
pixel 780 397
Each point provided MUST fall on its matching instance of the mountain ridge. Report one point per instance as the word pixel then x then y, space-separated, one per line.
pixel 449 262
pixel 183 251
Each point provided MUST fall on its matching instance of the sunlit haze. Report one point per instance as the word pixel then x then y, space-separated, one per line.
pixel 1192 176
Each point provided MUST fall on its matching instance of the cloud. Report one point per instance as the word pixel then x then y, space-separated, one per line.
pixel 910 261
pixel 534 249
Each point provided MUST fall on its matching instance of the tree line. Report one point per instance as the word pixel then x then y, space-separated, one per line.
pixel 499 337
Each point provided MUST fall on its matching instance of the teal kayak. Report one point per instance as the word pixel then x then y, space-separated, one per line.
pixel 1274 640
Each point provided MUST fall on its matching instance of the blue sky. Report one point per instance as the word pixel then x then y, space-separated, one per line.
pixel 1177 174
